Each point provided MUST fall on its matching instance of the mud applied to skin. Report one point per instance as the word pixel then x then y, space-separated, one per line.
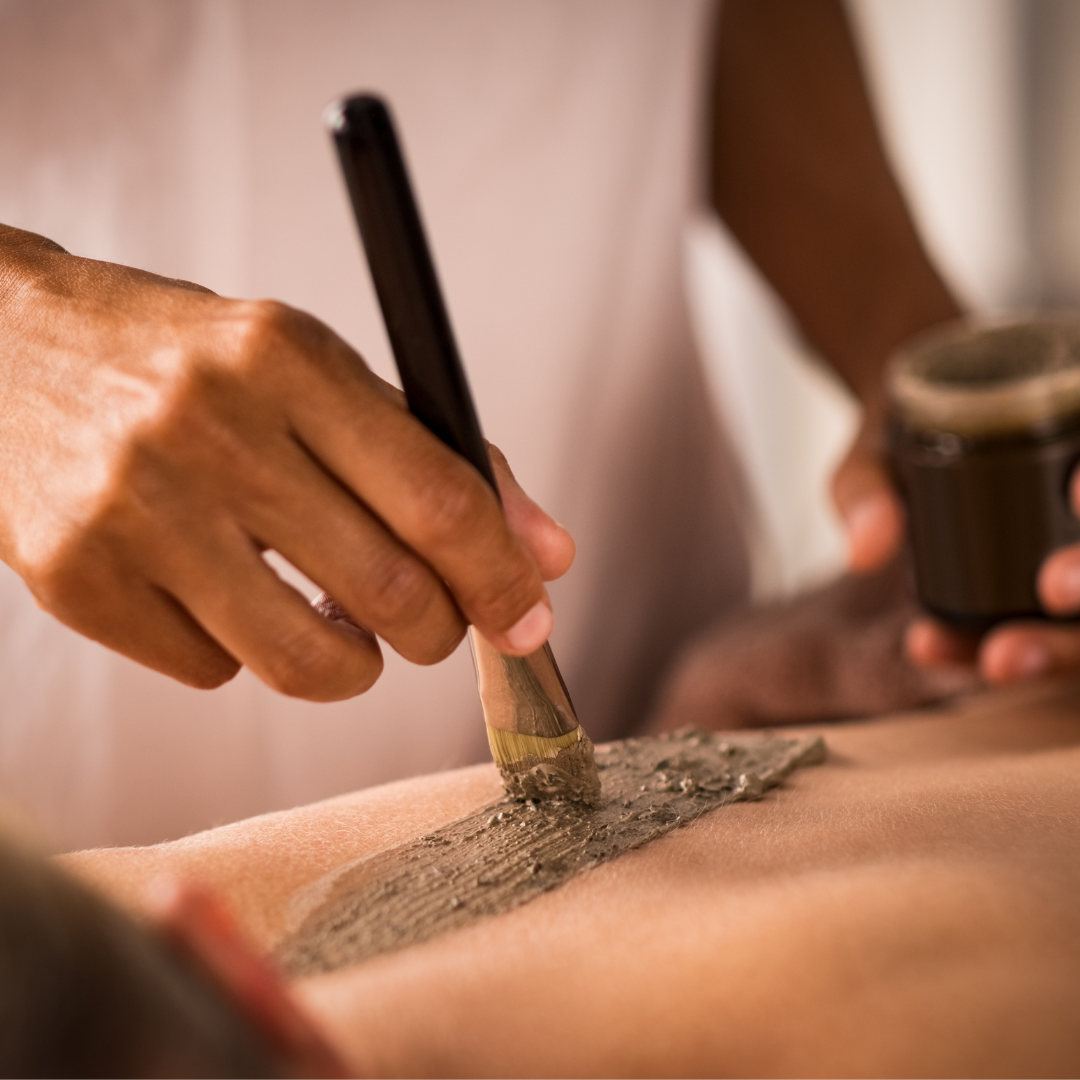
pixel 512 851
pixel 570 775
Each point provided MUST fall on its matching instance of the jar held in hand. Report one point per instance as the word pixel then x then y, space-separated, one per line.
pixel 984 437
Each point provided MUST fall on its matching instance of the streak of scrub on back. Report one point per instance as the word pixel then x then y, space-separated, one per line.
pixel 514 850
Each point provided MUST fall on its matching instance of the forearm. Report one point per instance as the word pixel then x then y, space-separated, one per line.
pixel 801 179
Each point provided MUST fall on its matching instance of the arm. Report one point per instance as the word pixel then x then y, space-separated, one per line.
pixel 801 179
pixel 155 438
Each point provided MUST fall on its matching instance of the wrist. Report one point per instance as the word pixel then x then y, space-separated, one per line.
pixel 16 240
pixel 26 260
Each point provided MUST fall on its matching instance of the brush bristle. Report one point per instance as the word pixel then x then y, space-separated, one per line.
pixel 511 749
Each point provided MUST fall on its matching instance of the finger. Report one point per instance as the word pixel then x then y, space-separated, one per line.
pixel 441 508
pixel 428 496
pixel 140 621
pixel 867 502
pixel 931 644
pixel 549 543
pixel 1021 651
pixel 267 624
pixel 1059 581
pixel 379 582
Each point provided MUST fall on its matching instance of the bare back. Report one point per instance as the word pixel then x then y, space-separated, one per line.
pixel 908 907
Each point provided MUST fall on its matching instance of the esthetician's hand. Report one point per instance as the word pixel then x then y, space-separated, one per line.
pixel 874 520
pixel 155 439
pixel 1016 651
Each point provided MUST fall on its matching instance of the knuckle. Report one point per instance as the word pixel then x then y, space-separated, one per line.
pixel 51 577
pixel 69 563
pixel 401 592
pixel 507 594
pixel 438 649
pixel 440 637
pixel 212 672
pixel 313 663
pixel 70 572
pixel 175 410
pixel 304 664
pixel 451 510
pixel 267 330
pixel 261 326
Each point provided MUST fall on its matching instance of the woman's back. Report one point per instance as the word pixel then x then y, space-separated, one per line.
pixel 907 907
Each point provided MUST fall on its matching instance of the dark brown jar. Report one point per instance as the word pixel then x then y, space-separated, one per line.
pixel 984 436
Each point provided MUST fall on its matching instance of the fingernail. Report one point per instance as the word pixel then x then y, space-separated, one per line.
pixel 532 629
pixel 1029 660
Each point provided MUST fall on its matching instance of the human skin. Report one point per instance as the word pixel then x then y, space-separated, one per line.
pixel 156 438
pixel 905 908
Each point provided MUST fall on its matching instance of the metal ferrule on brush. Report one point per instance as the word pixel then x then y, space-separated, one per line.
pixel 532 727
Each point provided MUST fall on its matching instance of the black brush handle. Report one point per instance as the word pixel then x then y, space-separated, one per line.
pixel 404 274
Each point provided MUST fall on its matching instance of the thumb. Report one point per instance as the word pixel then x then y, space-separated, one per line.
pixel 866 499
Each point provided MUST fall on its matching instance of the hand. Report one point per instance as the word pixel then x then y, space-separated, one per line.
pixel 156 438
pixel 833 653
pixel 874 519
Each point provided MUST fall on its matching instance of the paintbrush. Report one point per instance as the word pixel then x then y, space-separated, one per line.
pixel 535 737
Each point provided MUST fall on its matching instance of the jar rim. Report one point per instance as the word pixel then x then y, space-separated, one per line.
pixel 989 377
